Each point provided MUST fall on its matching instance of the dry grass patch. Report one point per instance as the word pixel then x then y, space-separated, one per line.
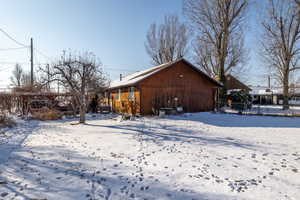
pixel 47 115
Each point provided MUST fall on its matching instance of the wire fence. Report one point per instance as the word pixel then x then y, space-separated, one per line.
pixel 267 110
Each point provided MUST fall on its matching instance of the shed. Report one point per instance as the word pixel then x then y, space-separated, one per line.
pixel 170 85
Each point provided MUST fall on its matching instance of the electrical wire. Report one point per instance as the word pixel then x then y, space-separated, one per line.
pixel 7 68
pixel 105 67
pixel 12 39
pixel 41 53
pixel 12 63
pixel 48 57
pixel 9 49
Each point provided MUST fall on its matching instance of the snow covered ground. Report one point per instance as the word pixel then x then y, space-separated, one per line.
pixel 192 156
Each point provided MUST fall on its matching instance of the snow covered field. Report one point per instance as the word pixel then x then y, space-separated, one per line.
pixel 192 156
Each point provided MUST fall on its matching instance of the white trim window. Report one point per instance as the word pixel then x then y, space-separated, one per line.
pixel 119 94
pixel 131 93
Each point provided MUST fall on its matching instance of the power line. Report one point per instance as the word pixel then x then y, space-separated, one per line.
pixel 17 48
pixel 21 63
pixel 3 62
pixel 41 53
pixel 105 67
pixel 12 39
pixel 7 68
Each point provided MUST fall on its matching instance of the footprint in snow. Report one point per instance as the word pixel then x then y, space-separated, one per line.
pixel 4 194
pixel 295 170
pixel 271 173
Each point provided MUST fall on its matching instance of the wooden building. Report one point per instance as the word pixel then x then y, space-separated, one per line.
pixel 171 85
pixel 233 83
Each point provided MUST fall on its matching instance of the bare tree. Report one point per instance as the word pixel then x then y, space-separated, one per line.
pixel 219 42
pixel 77 73
pixel 281 49
pixel 17 75
pixel 168 41
pixel 26 79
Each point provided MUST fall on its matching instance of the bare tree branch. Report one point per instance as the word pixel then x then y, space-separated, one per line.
pixel 167 42
pixel 79 74
pixel 281 41
pixel 219 45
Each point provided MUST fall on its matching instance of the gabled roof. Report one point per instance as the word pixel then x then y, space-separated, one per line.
pixel 233 83
pixel 139 76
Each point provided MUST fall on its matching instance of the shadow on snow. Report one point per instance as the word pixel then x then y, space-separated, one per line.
pixel 244 121
pixel 77 177
pixel 161 133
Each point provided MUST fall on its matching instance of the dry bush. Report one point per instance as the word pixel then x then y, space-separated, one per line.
pixel 47 115
pixel 6 121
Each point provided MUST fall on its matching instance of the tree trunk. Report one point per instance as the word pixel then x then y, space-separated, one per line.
pixel 222 91
pixel 285 91
pixel 82 108
pixel 222 60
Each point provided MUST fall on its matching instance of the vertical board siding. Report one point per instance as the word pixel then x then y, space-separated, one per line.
pixel 177 85
pixel 193 91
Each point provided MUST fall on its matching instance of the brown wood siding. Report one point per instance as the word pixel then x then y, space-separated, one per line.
pixel 193 91
pixel 233 83
pixel 125 105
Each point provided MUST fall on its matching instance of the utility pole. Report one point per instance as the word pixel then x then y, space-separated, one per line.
pixel 31 61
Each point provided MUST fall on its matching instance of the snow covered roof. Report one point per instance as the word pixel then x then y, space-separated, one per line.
pixel 268 91
pixel 139 76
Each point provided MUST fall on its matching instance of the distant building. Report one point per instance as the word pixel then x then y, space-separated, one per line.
pixel 274 96
pixel 233 83
pixel 176 84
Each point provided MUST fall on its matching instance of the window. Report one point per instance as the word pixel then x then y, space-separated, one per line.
pixel 131 94
pixel 119 94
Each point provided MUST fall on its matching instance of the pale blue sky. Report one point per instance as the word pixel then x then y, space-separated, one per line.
pixel 114 30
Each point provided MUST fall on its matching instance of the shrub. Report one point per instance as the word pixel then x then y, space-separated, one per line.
pixel 240 100
pixel 47 115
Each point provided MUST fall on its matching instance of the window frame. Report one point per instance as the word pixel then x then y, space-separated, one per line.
pixel 131 93
pixel 119 94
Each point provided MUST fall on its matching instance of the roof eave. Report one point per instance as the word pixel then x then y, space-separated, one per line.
pixel 122 86
pixel 208 77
